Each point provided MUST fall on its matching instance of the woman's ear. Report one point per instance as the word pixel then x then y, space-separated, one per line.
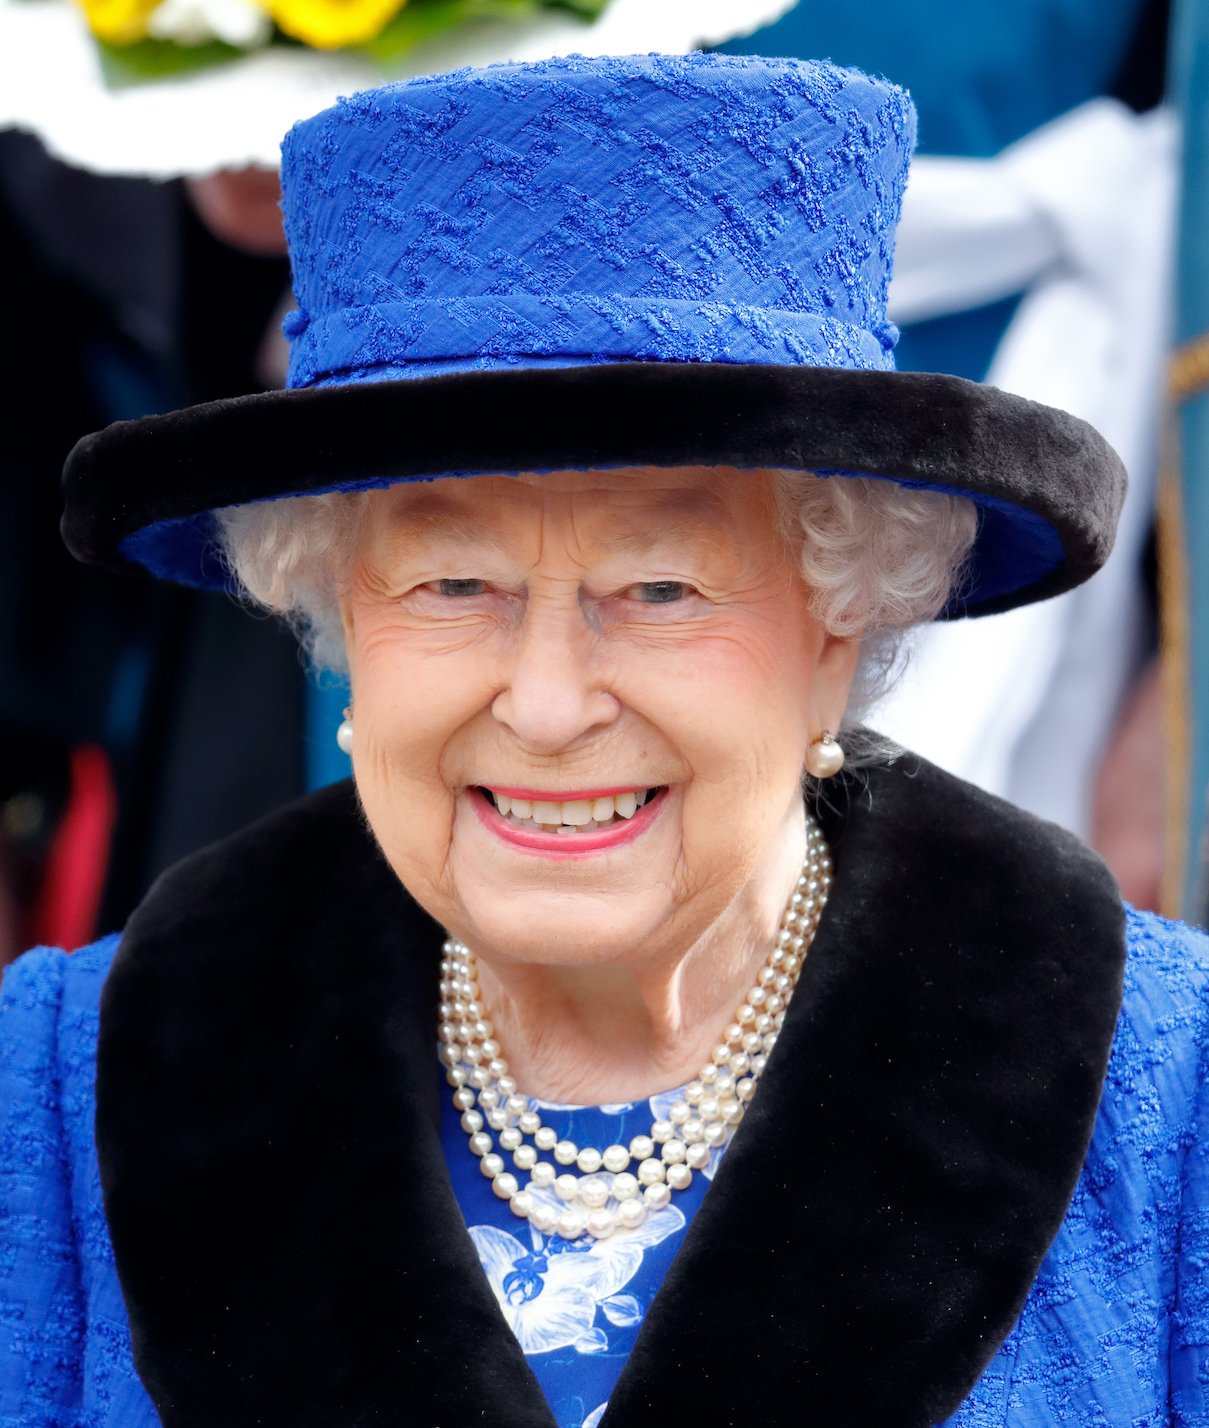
pixel 833 675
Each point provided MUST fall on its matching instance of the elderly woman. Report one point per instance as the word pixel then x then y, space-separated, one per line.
pixel 609 1052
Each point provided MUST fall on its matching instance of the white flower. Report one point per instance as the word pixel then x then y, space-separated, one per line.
pixel 195 22
pixel 550 1289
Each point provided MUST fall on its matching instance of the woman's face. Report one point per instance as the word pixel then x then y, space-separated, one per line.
pixel 582 702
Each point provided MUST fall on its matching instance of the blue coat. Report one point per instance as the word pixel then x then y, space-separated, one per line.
pixel 1114 1326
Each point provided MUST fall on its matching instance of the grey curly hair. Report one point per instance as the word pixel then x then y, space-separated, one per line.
pixel 878 557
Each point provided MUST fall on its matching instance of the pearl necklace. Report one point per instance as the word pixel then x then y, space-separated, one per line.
pixel 700 1122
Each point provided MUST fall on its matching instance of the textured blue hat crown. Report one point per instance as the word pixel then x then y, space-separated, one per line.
pixel 699 208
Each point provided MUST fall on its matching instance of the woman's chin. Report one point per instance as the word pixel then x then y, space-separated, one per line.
pixel 565 931
pixel 609 905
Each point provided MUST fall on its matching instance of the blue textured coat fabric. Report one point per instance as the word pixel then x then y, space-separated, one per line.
pixel 1114 1332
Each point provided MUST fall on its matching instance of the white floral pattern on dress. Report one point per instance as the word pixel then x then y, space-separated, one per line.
pixel 549 1289
pixel 583 1297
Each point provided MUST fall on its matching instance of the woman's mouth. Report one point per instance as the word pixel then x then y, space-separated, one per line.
pixel 578 822
pixel 572 815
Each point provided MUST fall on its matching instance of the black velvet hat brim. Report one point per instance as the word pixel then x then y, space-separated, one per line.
pixel 1049 488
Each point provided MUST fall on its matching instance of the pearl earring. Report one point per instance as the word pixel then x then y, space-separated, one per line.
pixel 824 758
pixel 344 734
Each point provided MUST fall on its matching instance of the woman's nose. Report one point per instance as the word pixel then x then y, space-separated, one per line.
pixel 554 695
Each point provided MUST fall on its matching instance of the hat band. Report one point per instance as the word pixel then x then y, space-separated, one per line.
pixel 505 330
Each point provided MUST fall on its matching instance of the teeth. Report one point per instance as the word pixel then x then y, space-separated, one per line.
pixel 573 815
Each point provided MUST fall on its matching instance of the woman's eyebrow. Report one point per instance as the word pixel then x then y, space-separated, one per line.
pixel 440 524
pixel 666 529
pixel 662 538
pixel 672 518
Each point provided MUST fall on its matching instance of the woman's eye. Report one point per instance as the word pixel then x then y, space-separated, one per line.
pixel 659 592
pixel 455 588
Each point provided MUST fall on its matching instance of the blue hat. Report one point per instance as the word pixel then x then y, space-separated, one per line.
pixel 602 263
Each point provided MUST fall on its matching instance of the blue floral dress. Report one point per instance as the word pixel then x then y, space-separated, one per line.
pixel 576 1306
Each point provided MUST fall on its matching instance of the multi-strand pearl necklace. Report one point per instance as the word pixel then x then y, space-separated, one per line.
pixel 647 1171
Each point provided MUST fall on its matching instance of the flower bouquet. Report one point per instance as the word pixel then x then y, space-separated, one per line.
pixel 149 39
pixel 162 88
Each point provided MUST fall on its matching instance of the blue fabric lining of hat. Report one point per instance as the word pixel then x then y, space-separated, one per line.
pixel 684 209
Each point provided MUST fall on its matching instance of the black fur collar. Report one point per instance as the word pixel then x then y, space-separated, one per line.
pixel 289 1247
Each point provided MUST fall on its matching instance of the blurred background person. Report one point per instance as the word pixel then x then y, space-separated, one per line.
pixel 131 715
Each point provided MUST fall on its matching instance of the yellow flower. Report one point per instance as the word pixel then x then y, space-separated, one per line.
pixel 118 22
pixel 332 24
